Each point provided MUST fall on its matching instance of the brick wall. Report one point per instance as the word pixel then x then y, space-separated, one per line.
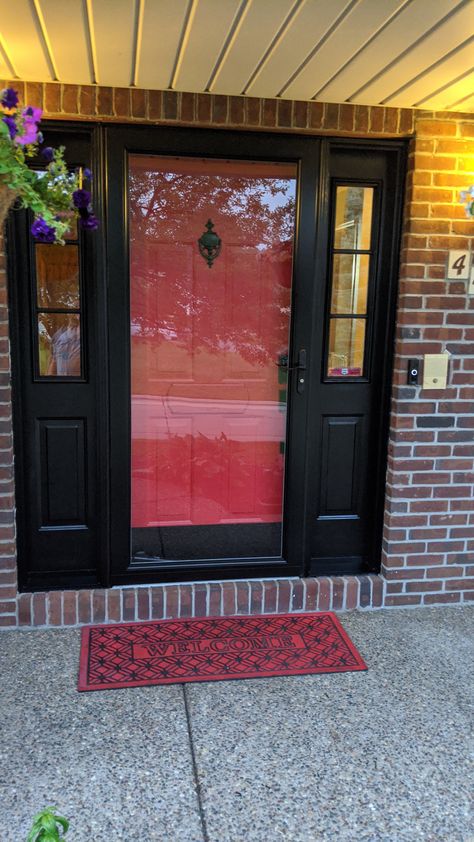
pixel 428 549
pixel 8 579
pixel 428 553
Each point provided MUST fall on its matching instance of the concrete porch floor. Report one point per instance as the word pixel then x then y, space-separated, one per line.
pixel 382 755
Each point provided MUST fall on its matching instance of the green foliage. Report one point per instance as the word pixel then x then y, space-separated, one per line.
pixel 50 191
pixel 48 827
pixel 46 192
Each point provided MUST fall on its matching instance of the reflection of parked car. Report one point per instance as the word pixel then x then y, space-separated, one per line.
pixel 199 460
pixel 160 417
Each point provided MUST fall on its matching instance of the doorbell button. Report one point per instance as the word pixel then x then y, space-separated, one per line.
pixel 413 372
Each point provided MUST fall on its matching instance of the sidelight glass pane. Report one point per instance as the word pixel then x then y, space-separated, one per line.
pixel 346 348
pixel 353 220
pixel 57 276
pixel 350 276
pixel 59 344
pixel 208 349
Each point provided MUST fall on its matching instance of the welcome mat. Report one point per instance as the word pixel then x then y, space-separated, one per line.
pixel 214 649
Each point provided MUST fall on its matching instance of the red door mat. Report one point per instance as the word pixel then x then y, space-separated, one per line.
pixel 214 649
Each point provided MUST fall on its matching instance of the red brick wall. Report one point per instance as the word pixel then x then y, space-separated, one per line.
pixel 7 487
pixel 428 551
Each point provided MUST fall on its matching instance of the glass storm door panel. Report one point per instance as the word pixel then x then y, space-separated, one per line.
pixel 210 322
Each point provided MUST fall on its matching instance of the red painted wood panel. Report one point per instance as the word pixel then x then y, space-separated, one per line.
pixel 208 411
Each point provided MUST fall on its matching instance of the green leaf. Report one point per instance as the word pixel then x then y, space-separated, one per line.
pixel 45 826
pixel 63 822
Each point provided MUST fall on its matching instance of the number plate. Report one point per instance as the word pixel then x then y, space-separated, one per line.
pixel 459 264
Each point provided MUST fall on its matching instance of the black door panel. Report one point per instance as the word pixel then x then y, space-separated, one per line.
pixel 57 377
pixel 349 408
pixel 72 425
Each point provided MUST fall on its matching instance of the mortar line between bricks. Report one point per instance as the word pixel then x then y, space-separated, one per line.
pixel 197 784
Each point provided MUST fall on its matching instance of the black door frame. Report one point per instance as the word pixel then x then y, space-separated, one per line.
pixel 108 145
pixel 384 323
pixel 303 151
pixel 83 144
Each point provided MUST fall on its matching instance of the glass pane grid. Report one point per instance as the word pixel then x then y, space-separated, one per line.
pixel 352 251
pixel 350 278
pixel 350 274
pixel 58 312
pixel 59 344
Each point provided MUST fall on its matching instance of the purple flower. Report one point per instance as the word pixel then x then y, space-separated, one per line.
pixel 31 117
pixel 10 121
pixel 87 173
pixel 81 198
pixel 43 232
pixel 48 153
pixel 89 222
pixel 9 98
pixel 30 134
pixel 87 219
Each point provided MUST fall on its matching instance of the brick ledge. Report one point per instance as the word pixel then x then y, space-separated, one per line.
pixel 75 608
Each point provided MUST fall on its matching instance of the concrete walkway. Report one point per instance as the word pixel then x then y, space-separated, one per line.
pixel 382 755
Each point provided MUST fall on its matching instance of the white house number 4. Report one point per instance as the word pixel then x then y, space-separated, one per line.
pixel 459 265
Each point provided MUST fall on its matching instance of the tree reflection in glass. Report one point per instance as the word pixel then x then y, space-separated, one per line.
pixel 208 405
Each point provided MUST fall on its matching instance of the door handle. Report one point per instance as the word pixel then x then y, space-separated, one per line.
pixel 301 371
pixel 300 367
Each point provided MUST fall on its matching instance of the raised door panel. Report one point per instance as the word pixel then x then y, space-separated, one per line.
pixel 341 466
pixel 62 462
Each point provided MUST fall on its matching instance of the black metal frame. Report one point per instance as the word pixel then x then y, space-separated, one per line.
pixel 21 291
pixel 398 150
pixel 369 315
pixel 212 144
pixel 110 145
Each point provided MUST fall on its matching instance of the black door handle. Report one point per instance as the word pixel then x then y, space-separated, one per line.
pixel 300 367
pixel 301 371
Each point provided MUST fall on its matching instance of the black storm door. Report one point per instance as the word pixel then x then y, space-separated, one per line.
pixel 211 278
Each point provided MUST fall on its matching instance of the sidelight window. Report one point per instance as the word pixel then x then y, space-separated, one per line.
pixel 351 268
pixel 58 310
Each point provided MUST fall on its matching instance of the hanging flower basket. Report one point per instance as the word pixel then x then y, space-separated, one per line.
pixel 52 193
pixel 7 199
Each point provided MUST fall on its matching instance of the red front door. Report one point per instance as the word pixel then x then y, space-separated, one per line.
pixel 208 397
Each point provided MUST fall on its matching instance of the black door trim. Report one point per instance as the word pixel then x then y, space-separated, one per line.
pixel 213 144
pixel 112 405
pixel 394 190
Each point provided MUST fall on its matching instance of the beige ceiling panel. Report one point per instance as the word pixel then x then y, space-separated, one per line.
pixel 114 34
pixel 306 28
pixel 162 26
pixel 404 29
pixel 459 63
pixel 355 29
pixel 5 72
pixel 453 93
pixel 22 40
pixel 431 49
pixel 70 55
pixel 203 43
pixel 466 106
pixel 258 28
